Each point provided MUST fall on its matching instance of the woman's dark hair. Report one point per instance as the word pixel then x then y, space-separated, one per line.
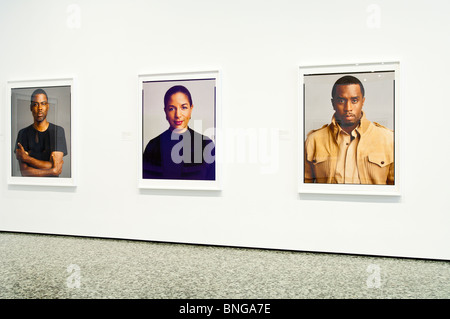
pixel 347 80
pixel 177 89
pixel 36 92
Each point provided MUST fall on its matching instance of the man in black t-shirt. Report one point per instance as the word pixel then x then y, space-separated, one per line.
pixel 40 147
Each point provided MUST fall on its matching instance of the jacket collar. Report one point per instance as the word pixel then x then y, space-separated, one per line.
pixel 362 128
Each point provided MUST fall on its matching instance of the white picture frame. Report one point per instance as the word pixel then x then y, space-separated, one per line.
pixel 152 121
pixel 62 99
pixel 316 110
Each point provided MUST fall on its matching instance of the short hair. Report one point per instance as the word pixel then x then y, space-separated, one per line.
pixel 177 89
pixel 347 80
pixel 36 92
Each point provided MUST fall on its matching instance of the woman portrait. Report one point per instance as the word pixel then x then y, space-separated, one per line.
pixel 175 116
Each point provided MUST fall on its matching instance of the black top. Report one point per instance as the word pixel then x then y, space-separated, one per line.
pixel 186 156
pixel 40 145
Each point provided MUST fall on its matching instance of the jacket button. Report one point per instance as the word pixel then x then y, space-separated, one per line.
pixel 382 162
pixel 314 161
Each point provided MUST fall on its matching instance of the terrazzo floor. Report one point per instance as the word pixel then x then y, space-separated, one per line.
pixel 34 266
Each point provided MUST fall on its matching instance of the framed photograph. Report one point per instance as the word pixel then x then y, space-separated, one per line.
pixel 179 129
pixel 349 129
pixel 40 131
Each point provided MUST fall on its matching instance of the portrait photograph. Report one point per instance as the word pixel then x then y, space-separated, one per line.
pixel 41 132
pixel 179 126
pixel 349 129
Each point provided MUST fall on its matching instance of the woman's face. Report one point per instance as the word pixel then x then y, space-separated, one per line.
pixel 178 112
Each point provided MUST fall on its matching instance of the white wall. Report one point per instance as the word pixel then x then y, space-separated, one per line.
pixel 258 45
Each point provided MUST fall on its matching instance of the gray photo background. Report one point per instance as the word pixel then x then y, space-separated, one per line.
pixel 153 116
pixel 59 113
pixel 378 106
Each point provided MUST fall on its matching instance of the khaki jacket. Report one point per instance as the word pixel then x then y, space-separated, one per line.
pixel 375 154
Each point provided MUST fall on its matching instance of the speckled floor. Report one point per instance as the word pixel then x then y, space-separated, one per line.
pixel 48 267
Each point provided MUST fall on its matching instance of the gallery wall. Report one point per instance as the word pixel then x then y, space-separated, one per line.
pixel 258 47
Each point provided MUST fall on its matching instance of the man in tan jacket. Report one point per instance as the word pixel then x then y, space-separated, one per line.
pixel 352 149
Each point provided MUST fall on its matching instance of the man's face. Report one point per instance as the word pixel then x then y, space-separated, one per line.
pixel 178 111
pixel 348 102
pixel 39 108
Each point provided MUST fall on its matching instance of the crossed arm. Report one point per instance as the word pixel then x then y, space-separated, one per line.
pixel 32 167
